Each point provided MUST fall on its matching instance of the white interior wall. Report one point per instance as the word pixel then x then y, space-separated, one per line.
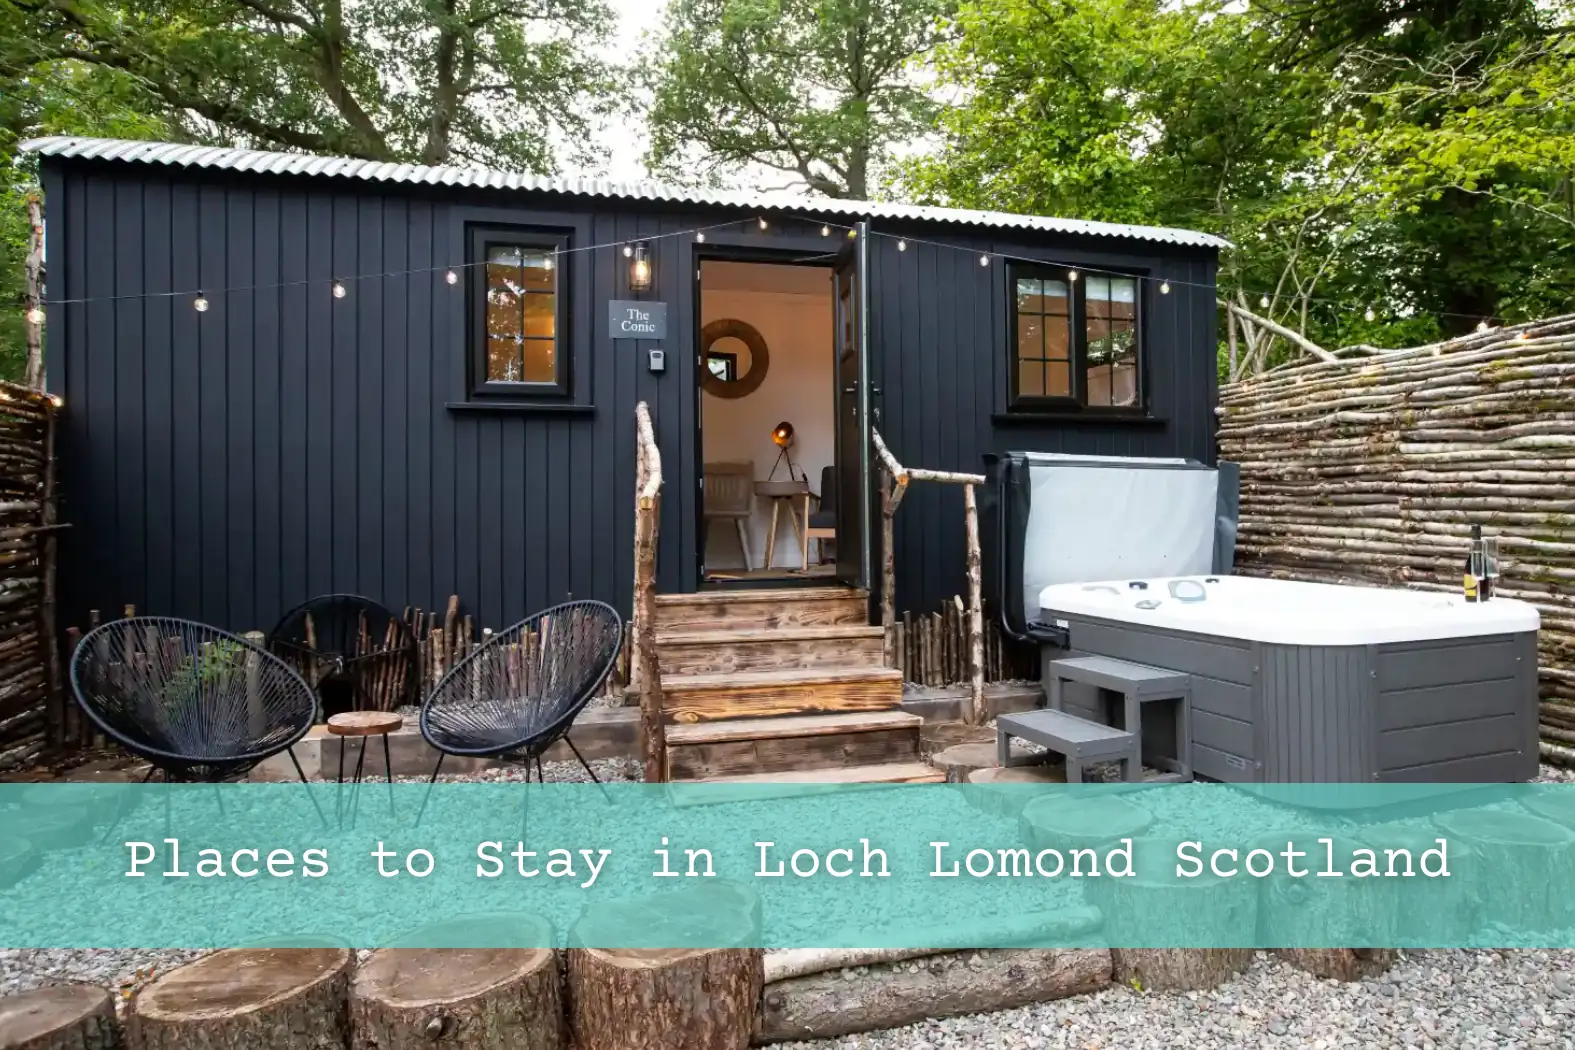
pixel 796 327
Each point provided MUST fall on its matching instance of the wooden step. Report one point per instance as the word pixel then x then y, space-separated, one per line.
pixel 759 694
pixel 760 609
pixel 726 652
pixel 751 787
pixel 707 750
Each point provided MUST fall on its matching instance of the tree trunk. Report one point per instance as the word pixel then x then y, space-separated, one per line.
pixel 1004 791
pixel 656 999
pixel 1081 823
pixel 660 998
pixel 1340 964
pixel 60 1017
pixel 247 999
pixel 826 1005
pixel 33 296
pixel 1296 910
pixel 1525 855
pixel 458 998
pixel 1178 969
pixel 975 611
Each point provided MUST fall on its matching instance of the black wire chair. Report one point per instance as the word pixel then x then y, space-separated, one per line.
pixel 200 704
pixel 356 654
pixel 520 691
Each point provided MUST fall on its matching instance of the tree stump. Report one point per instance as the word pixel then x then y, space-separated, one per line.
pixel 1081 823
pixel 1339 964
pixel 1428 911
pixel 247 999
pixel 1525 855
pixel 1154 907
pixel 1312 910
pixel 18 860
pixel 61 1017
pixel 1004 791
pixel 1558 807
pixel 463 998
pixel 655 998
pixel 104 802
pixel 959 760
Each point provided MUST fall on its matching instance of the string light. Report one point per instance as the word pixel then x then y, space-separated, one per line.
pixel 547 264
pixel 35 316
pixel 1264 302
pixel 200 303
pixel 902 246
pixel 56 400
pixel 451 277
pixel 339 290
pixel 1369 315
pixel 1071 275
pixel 700 238
pixel 628 249
pixel 764 225
pixel 1164 287
pixel 1482 326
pixel 825 231
pixel 984 260
pixel 1523 336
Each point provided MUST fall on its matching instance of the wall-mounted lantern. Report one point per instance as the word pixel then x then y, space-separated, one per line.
pixel 640 268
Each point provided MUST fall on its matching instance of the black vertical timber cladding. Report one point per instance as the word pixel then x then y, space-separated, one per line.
pixel 225 465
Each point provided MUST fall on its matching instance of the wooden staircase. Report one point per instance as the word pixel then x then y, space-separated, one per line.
pixel 782 686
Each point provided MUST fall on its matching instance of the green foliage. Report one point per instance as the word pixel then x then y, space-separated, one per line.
pixel 820 89
pixel 1418 162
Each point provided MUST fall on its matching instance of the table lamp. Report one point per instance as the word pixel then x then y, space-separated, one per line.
pixel 782 437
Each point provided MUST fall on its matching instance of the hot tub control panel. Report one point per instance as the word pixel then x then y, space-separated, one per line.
pixel 1186 591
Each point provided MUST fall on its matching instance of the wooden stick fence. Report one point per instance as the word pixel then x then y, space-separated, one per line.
pixel 1374 469
pixel 894 483
pixel 933 649
pixel 33 719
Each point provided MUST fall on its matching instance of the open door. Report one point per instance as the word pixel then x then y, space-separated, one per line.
pixel 850 316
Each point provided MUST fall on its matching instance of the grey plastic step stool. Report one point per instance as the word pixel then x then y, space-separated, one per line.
pixel 1138 684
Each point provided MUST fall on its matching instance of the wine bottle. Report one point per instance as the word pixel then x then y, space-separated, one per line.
pixel 1472 581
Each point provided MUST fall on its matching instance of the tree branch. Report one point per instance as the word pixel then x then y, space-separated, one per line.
pixel 1288 334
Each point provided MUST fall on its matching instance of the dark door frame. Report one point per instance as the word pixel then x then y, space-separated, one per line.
pixel 723 252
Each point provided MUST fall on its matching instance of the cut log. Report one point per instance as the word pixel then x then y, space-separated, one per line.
pixel 1002 791
pixel 1339 964
pixel 1177 969
pixel 467 998
pixel 18 860
pixel 824 1005
pixel 1312 910
pixel 1438 909
pixel 1558 807
pixel 656 998
pixel 1153 907
pixel 247 999
pixel 959 760
pixel 1081 823
pixel 51 827
pixel 1525 855
pixel 60 1017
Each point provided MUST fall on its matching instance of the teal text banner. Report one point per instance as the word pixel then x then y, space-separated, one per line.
pixel 917 866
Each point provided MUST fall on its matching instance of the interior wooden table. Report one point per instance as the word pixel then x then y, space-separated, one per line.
pixel 794 494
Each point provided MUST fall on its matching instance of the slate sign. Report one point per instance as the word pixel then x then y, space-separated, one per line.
pixel 633 319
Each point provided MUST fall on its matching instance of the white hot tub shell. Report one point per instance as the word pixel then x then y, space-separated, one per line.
pixel 1291 682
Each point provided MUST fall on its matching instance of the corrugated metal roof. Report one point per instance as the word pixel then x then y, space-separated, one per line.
pixel 220 158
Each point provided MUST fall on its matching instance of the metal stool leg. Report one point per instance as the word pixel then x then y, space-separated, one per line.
pixel 339 792
pixel 355 785
pixel 388 767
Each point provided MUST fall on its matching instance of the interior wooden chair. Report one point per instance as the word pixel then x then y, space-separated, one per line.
pixel 822 524
pixel 729 494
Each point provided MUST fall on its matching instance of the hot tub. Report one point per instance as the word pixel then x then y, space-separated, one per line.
pixel 1305 682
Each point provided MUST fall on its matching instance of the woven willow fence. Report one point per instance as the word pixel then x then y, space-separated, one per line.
pixel 1373 468
pixel 31 706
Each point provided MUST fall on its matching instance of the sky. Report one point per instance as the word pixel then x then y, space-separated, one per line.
pixel 635 18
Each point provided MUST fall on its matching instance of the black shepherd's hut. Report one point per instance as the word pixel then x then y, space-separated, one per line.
pixel 286 375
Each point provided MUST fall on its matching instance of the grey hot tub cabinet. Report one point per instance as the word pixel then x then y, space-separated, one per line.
pixel 1461 710
pixel 1452 711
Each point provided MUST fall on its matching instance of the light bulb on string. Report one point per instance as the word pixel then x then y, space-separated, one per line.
pixel 339 290
pixel 1482 326
pixel 984 260
pixel 825 231
pixel 764 225
pixel 35 315
pixel 1522 337
pixel 700 238
pixel 1370 315
pixel 902 246
pixel 1264 302
pixel 548 263
pixel 451 277
pixel 1164 287
pixel 1071 275
pixel 628 250
pixel 200 304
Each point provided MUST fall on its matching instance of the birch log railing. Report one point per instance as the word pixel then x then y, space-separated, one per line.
pixel 893 485
pixel 642 663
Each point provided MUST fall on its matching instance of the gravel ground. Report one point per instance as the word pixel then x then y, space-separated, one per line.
pixel 1477 999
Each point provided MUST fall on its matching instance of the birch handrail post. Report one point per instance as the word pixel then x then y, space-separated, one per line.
pixel 642 663
pixel 894 483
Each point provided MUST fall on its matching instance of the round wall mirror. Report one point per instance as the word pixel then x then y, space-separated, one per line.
pixel 733 358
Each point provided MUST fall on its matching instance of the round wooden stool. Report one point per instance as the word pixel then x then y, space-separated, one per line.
pixel 363 724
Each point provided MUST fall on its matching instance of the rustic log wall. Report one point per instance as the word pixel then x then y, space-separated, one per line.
pixel 32 717
pixel 1373 469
